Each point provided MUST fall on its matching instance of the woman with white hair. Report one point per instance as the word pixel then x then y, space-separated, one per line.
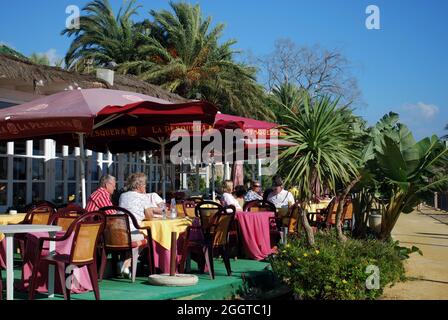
pixel 141 204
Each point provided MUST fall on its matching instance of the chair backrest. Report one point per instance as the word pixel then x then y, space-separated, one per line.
pixel 196 200
pixel 206 211
pixel 39 215
pixel 259 205
pixel 221 225
pixel 348 210
pixel 187 207
pixel 72 209
pixel 289 217
pixel 87 229
pixel 117 232
pixel 62 219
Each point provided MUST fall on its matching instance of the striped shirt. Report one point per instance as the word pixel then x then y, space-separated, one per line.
pixel 99 199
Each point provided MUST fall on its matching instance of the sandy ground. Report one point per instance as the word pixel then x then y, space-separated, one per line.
pixel 428 273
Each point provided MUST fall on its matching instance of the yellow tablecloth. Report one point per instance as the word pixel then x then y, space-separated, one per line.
pixel 161 229
pixel 10 219
pixel 313 207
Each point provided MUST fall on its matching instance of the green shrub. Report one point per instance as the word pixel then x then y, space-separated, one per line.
pixel 334 270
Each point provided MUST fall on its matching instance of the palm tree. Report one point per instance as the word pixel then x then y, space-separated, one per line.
pixel 325 155
pixel 183 55
pixel 102 37
pixel 39 59
pixel 285 95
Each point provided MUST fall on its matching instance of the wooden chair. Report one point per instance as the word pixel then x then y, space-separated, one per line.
pixel 1 286
pixel 39 215
pixel 215 222
pixel 259 205
pixel 117 238
pixel 36 215
pixel 87 229
pixel 347 215
pixel 328 216
pixel 186 208
pixel 73 209
pixel 196 200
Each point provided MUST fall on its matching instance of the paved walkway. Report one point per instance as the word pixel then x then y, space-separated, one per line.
pixel 428 273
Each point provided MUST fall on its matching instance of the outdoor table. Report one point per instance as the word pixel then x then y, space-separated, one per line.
pixel 161 230
pixel 255 232
pixel 9 232
pixel 312 208
pixel 80 277
pixel 6 218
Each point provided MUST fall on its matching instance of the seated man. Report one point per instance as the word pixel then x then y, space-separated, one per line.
pixel 141 204
pixel 280 197
pixel 102 196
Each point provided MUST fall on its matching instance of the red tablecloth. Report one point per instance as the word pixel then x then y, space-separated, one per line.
pixel 81 280
pixel 255 232
pixel 3 254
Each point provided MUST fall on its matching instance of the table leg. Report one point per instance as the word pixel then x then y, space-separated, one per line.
pixel 9 266
pixel 52 249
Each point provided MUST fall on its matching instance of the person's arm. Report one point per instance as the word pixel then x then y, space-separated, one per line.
pixel 149 213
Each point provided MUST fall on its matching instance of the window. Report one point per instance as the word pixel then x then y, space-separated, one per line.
pixel 3 193
pixel 38 169
pixel 19 168
pixel 59 193
pixel 3 168
pixel 19 195
pixel 39 148
pixel 3 147
pixel 38 191
pixel 20 147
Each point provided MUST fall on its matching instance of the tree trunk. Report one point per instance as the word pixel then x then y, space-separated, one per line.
pixel 340 209
pixel 306 226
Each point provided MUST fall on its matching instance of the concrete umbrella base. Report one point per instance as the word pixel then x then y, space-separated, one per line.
pixel 172 279
pixel 178 280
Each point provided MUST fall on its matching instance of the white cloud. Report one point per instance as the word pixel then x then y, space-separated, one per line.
pixel 421 109
pixel 52 56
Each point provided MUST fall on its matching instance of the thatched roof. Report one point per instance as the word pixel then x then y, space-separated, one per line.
pixel 22 71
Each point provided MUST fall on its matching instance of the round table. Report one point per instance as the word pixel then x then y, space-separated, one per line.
pixel 255 231
pixel 161 230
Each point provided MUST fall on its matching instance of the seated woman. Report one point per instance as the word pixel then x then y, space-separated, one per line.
pixel 141 204
pixel 240 193
pixel 227 197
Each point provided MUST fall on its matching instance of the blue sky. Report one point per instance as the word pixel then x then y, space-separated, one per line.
pixel 402 67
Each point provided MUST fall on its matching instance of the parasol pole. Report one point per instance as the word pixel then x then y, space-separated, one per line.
pixel 162 150
pixel 82 168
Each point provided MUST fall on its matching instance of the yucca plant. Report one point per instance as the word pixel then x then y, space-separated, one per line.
pixel 326 153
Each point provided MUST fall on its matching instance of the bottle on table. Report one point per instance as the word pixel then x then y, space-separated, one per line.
pixel 164 211
pixel 173 213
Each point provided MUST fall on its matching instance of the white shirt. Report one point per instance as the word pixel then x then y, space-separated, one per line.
pixel 282 199
pixel 228 199
pixel 137 202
